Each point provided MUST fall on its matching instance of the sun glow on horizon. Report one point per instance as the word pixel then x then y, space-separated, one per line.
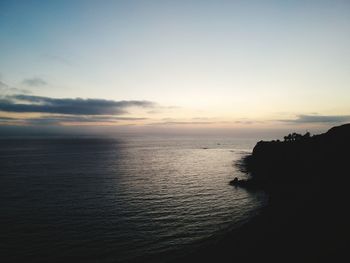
pixel 175 64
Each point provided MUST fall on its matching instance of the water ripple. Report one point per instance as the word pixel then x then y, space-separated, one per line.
pixel 117 200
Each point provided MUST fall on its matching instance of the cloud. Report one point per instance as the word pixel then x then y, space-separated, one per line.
pixel 162 109
pixel 183 123
pixel 3 85
pixel 249 122
pixel 61 119
pixel 319 119
pixel 77 106
pixel 58 120
pixel 201 121
pixel 34 82
pixel 6 119
pixel 7 89
pixel 57 59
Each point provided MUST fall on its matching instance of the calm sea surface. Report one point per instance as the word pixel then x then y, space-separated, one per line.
pixel 118 200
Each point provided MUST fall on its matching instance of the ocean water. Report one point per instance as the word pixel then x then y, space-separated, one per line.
pixel 119 199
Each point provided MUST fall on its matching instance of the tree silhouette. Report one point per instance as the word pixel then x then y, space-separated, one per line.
pixel 296 137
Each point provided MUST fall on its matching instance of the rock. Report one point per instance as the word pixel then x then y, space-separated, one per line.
pixel 234 182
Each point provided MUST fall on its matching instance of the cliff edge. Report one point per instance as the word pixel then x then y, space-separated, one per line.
pixel 300 159
pixel 306 218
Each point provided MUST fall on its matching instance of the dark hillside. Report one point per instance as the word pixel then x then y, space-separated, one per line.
pixel 306 219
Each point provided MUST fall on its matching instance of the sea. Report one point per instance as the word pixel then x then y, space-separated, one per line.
pixel 119 199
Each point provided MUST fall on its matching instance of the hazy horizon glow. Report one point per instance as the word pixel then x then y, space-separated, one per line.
pixel 175 65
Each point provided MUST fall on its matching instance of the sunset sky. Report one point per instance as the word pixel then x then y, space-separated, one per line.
pixel 163 65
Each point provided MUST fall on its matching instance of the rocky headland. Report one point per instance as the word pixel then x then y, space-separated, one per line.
pixel 300 159
pixel 306 219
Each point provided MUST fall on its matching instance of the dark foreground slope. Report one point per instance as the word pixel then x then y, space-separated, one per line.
pixel 307 179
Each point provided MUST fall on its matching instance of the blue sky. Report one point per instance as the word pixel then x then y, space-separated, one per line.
pixel 227 64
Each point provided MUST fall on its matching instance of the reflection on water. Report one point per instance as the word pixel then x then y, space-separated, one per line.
pixel 118 199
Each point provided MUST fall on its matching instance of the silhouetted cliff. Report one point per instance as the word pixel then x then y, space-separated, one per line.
pixel 300 159
pixel 306 218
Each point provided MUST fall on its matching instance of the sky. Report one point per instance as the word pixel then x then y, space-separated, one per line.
pixel 184 66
